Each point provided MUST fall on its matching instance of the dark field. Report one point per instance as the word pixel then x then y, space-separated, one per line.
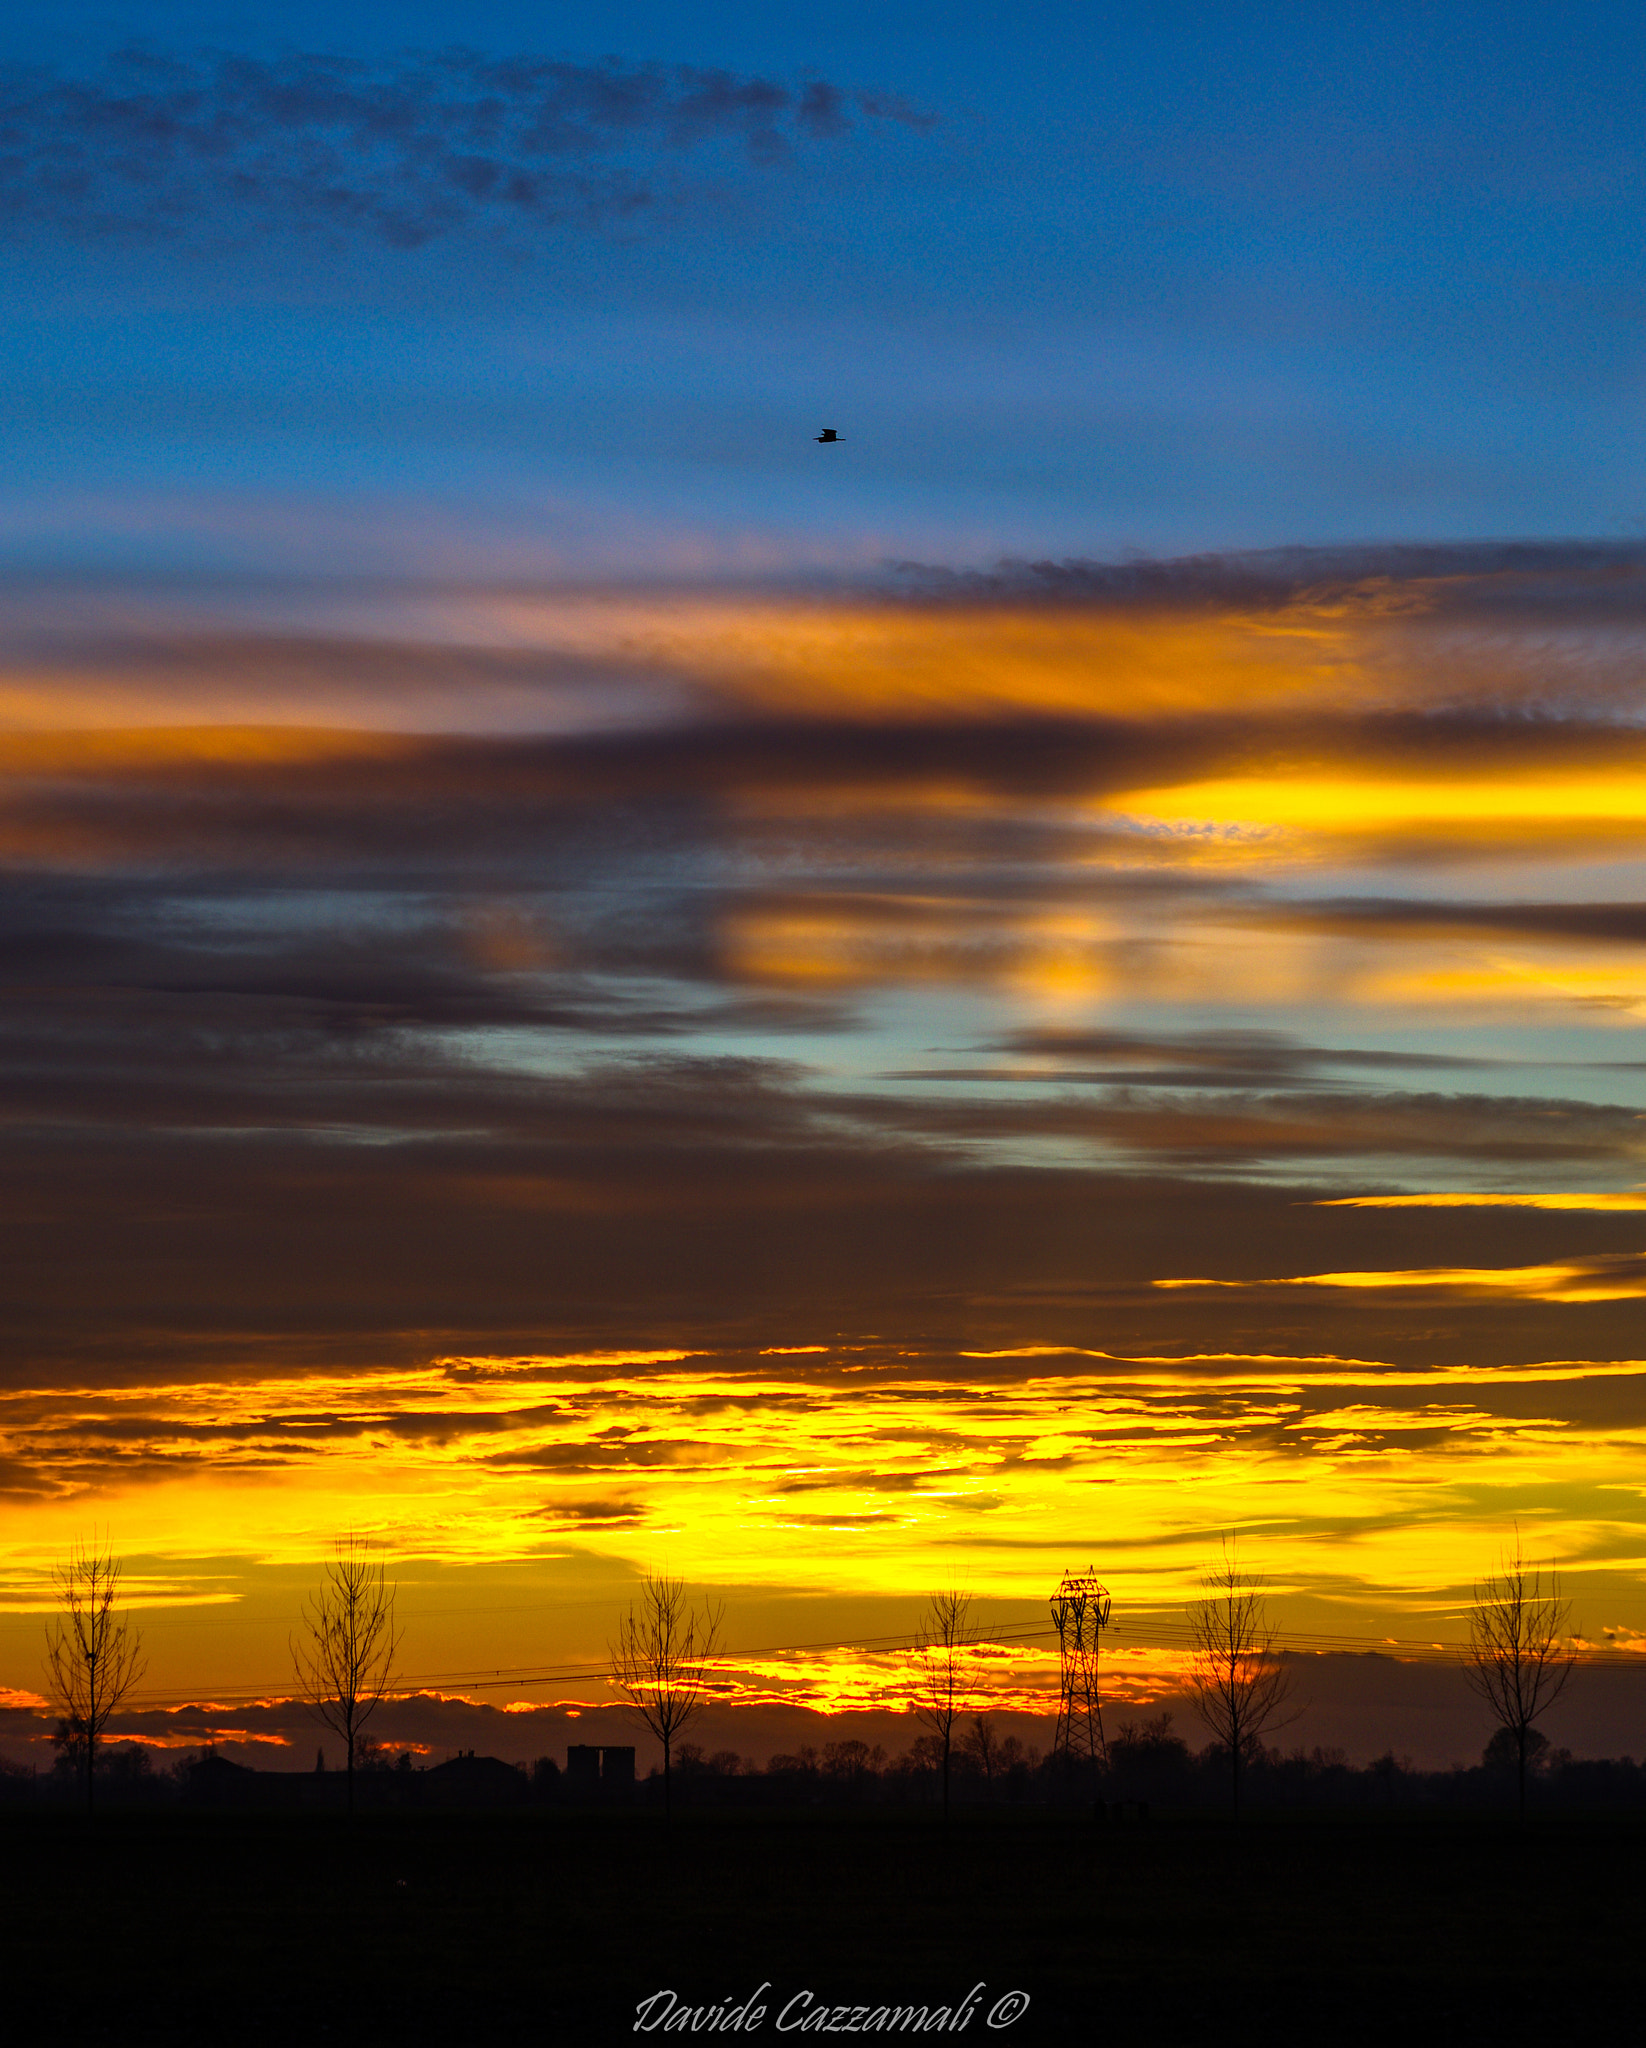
pixel 412 1928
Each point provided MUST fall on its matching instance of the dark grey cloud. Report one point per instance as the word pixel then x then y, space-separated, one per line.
pixel 700 1208
pixel 593 1514
pixel 865 1521
pixel 422 805
pixel 1300 1124
pixel 1511 580
pixel 871 1481
pixel 402 1045
pixel 136 1428
pixel 1208 1059
pixel 295 668
pixel 143 1011
pixel 1597 923
pixel 644 1454
pixel 190 965
pixel 400 150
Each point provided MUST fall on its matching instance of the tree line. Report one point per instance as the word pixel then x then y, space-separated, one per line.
pixel 1152 1769
pixel 664 1661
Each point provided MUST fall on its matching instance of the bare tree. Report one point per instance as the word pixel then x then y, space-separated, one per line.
pixel 943 1653
pixel 93 1657
pixel 982 1742
pixel 1514 1659
pixel 1236 1682
pixel 344 1657
pixel 660 1661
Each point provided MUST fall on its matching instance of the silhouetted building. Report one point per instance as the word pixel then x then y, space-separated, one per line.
pixel 595 1771
pixel 467 1780
pixel 213 1781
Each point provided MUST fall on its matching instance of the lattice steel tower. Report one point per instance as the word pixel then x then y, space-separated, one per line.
pixel 1080 1610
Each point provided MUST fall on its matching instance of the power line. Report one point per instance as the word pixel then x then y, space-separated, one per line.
pixel 486 1676
pixel 1145 1634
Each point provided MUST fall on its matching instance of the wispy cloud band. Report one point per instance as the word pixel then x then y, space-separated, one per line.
pixel 401 150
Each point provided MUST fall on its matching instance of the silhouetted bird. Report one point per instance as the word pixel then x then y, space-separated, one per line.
pixel 828 434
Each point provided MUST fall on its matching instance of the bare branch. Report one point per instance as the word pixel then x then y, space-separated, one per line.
pixel 660 1660
pixel 344 1658
pixel 944 1654
pixel 1236 1682
pixel 93 1658
pixel 1515 1661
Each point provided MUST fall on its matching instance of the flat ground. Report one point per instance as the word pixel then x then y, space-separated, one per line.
pixel 552 1927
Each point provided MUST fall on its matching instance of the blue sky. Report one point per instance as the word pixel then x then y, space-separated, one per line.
pixel 1105 280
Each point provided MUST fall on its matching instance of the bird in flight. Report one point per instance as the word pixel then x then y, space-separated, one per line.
pixel 828 434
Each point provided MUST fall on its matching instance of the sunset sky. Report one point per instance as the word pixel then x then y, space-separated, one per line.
pixel 590 985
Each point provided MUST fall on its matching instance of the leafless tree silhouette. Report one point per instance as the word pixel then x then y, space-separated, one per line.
pixel 93 1658
pixel 1514 1659
pixel 1236 1682
pixel 982 1742
pixel 660 1661
pixel 344 1657
pixel 943 1658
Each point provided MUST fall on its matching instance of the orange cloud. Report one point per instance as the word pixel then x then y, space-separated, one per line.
pixel 1602 1278
pixel 1466 1199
